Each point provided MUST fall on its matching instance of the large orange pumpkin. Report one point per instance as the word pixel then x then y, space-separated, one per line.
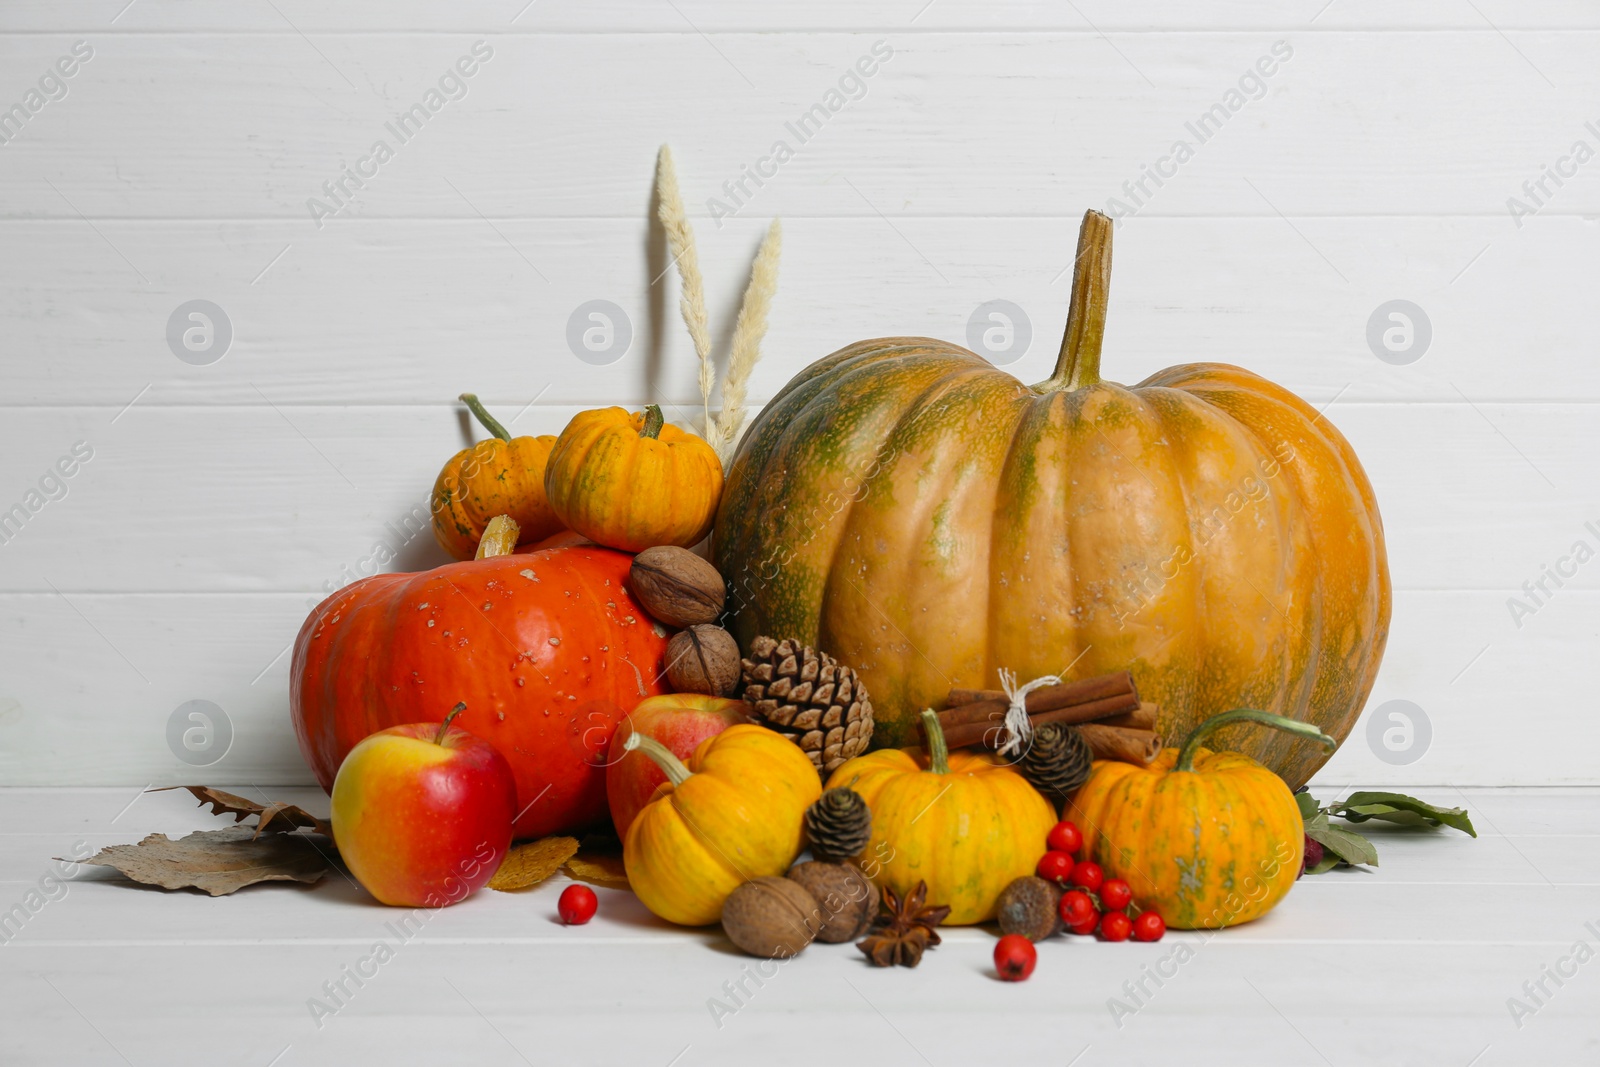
pixel 546 647
pixel 930 519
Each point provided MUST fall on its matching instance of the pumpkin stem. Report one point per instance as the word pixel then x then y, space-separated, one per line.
pixel 444 727
pixel 1191 744
pixel 653 421
pixel 938 751
pixel 499 537
pixel 661 755
pixel 1078 364
pixel 489 422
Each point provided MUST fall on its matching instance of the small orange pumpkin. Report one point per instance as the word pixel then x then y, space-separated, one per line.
pixel 1206 839
pixel 503 475
pixel 631 481
pixel 966 824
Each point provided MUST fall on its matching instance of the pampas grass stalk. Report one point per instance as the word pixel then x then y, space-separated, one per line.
pixel 748 331
pixel 691 296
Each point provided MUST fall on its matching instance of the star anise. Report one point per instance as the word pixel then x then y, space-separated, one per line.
pixel 903 929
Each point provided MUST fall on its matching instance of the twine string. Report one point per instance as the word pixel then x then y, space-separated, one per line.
pixel 1018 728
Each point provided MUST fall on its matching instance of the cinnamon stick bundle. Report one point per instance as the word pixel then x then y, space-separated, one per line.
pixel 973 716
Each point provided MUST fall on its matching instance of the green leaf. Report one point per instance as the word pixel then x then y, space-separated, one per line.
pixel 1347 845
pixel 1308 805
pixel 1328 862
pixel 1401 809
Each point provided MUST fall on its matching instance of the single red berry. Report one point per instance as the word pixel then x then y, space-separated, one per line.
pixel 1115 894
pixel 577 905
pixel 1076 909
pixel 1014 957
pixel 1148 927
pixel 1055 867
pixel 1115 926
pixel 1087 926
pixel 1087 875
pixel 1065 837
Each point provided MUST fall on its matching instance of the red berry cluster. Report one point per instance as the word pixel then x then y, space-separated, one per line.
pixel 1092 902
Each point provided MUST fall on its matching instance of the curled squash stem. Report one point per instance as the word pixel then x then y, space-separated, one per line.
pixel 938 751
pixel 481 413
pixel 653 421
pixel 444 727
pixel 1191 744
pixel 660 755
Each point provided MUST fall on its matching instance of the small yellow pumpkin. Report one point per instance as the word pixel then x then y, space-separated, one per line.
pixel 503 475
pixel 966 824
pixel 736 812
pixel 1206 839
pixel 631 481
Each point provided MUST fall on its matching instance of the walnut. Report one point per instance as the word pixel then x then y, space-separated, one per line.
pixel 676 586
pixel 774 918
pixel 703 659
pixel 848 899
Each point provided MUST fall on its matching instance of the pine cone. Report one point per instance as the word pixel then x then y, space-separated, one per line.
pixel 1057 761
pixel 810 698
pixel 839 825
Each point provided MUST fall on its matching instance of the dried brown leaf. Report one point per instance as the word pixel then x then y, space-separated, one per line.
pixel 531 863
pixel 275 815
pixel 599 869
pixel 217 861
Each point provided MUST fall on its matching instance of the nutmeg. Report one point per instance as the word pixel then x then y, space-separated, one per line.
pixel 676 586
pixel 847 899
pixel 774 918
pixel 703 659
pixel 1030 906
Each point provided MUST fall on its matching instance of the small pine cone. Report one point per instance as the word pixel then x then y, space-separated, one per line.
pixel 810 698
pixel 1057 761
pixel 839 825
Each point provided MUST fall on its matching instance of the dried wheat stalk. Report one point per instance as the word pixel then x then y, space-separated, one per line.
pixel 692 297
pixel 747 334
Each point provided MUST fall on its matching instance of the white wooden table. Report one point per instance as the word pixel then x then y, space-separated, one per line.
pixel 1410 964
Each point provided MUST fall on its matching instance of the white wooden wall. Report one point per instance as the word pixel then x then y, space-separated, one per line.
pixel 220 498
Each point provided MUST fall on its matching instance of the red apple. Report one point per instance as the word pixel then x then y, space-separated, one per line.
pixel 678 720
pixel 422 813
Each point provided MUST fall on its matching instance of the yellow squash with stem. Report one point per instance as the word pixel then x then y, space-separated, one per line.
pixel 734 813
pixel 1206 839
pixel 966 824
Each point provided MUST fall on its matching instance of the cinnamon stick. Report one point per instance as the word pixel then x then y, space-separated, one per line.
pixel 1141 718
pixel 1120 743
